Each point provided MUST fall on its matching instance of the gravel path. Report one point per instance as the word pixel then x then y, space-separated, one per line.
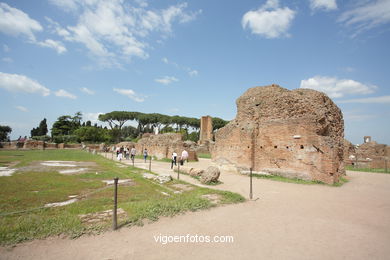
pixel 287 221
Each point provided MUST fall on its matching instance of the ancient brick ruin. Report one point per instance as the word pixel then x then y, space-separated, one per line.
pixel 296 134
pixel 370 154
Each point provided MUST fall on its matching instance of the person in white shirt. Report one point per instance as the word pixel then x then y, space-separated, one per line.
pixel 133 151
pixel 184 156
pixel 174 156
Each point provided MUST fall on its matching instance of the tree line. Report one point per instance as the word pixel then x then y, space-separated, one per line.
pixel 72 129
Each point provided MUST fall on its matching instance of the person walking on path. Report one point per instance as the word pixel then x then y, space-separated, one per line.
pixel 184 156
pixel 145 154
pixel 132 153
pixel 119 156
pixel 174 156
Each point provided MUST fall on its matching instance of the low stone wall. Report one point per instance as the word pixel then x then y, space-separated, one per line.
pixel 33 144
pixel 39 145
pixel 13 145
pixel 51 146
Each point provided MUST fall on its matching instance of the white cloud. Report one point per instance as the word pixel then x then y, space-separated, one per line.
pixel 56 45
pixel 130 94
pixel 88 91
pixel 269 20
pixel 370 100
pixel 176 13
pixel 66 5
pixel 189 70
pixel 21 83
pixel 142 3
pixel 349 69
pixel 7 60
pixel 337 88
pixel 368 15
pixel 113 31
pixel 165 60
pixel 326 5
pixel 65 94
pixel 193 73
pixel 6 48
pixel 15 22
pixel 93 117
pixel 166 80
pixel 21 108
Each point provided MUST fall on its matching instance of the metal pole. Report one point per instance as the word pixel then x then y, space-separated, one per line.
pixel 250 185
pixel 385 165
pixel 150 163
pixel 114 219
pixel 178 170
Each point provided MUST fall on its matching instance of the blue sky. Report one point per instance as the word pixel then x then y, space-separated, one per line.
pixel 191 58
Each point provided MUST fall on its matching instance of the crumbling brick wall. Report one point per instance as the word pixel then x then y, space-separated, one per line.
pixel 296 134
pixel 371 155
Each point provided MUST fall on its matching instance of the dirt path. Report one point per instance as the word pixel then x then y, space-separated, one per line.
pixel 288 221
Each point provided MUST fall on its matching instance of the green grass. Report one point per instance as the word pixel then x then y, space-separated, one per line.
pixel 28 191
pixel 154 158
pixel 298 181
pixel 167 160
pixel 204 155
pixel 352 168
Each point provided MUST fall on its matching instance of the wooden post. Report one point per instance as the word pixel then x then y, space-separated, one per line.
pixel 250 184
pixel 178 170
pixel 150 163
pixel 114 215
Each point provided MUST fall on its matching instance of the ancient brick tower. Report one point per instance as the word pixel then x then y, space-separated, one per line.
pixel 206 129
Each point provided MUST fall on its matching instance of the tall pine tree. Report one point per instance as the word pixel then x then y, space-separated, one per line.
pixel 40 130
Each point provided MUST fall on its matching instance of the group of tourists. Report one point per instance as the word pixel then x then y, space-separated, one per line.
pixel 182 158
pixel 130 153
pixel 125 152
